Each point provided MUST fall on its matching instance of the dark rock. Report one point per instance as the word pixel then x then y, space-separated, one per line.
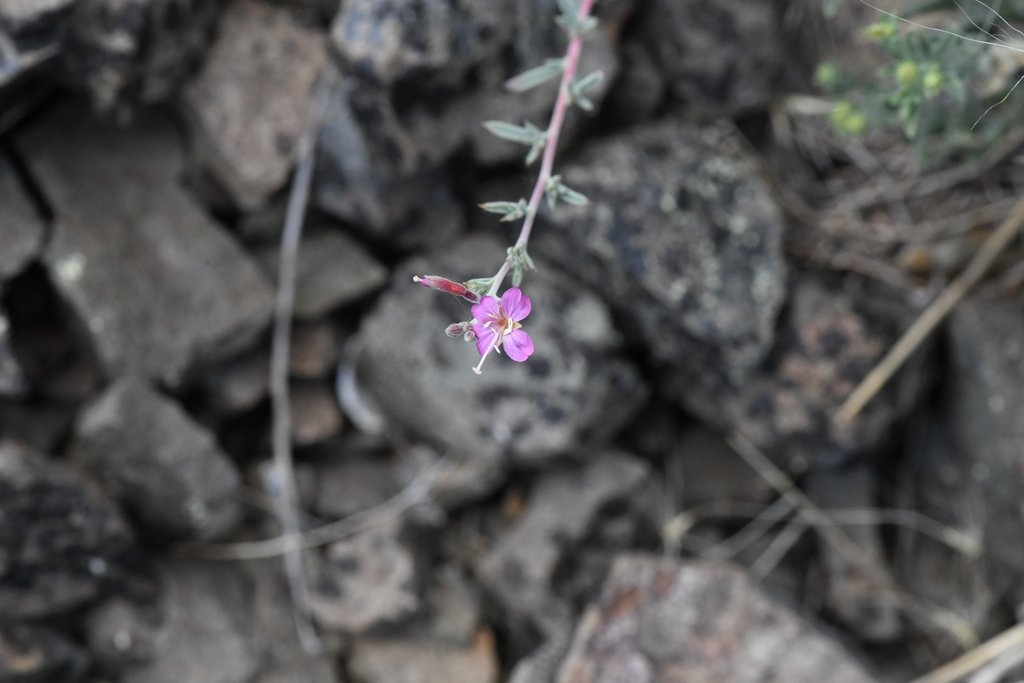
pixel 171 474
pixel 519 571
pixel 122 51
pixel 37 424
pixel 574 390
pixel 314 350
pixel 859 600
pixel 22 226
pixel 206 631
pixel 316 416
pixel 159 286
pixel 367 174
pixel 671 622
pixel 717 60
pixel 970 474
pixel 367 581
pixel 682 237
pixel 12 380
pixel 33 654
pixel 250 104
pixel 238 385
pixel 31 33
pixel 60 539
pixel 826 344
pixel 332 270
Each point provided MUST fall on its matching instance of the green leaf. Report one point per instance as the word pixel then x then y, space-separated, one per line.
pixel 552 68
pixel 579 87
pixel 509 211
pixel 536 149
pixel 527 134
pixel 572 197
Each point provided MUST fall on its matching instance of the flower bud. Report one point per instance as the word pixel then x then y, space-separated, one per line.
pixel 446 285
pixel 457 329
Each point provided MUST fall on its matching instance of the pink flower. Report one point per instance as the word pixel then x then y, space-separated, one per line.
pixel 497 323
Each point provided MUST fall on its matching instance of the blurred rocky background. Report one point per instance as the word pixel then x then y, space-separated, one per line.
pixel 610 511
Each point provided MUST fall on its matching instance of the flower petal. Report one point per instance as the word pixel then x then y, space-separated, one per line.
pixel 487 309
pixel 485 338
pixel 518 345
pixel 516 304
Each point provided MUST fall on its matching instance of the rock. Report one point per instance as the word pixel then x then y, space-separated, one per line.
pixel 61 540
pixel 124 51
pixel 238 385
pixel 314 350
pixel 316 416
pixel 332 270
pixel 717 61
pixel 859 600
pixel 575 389
pixel 172 474
pixel 519 570
pixel 676 622
pixel 122 633
pixel 970 473
pixel 352 484
pixel 34 654
pixel 412 661
pixel 23 228
pixel 826 344
pixel 286 661
pixel 682 238
pixel 250 103
pixel 12 380
pixel 32 32
pixel 206 631
pixel 367 581
pixel 158 285
pixel 368 175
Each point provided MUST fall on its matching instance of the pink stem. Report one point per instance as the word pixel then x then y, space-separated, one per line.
pixel 572 58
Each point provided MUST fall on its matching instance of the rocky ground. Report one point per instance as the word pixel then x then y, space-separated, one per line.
pixel 620 508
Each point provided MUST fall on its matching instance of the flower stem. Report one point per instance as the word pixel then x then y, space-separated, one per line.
pixel 572 58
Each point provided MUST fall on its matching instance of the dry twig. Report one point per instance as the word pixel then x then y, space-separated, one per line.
pixel 976 658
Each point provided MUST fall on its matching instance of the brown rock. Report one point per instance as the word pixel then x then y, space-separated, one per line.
pixel 316 416
pixel 412 660
pixel 250 103
pixel 661 621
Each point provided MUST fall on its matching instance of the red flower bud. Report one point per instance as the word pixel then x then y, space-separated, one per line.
pixel 446 285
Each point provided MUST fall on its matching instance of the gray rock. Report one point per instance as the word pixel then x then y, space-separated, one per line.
pixel 411 660
pixel 352 484
pixel 237 385
pixel 827 342
pixel 206 631
pixel 575 389
pixel 122 633
pixel 682 237
pixel 159 286
pixel 250 103
pixel 367 581
pixel 672 622
pixel 23 228
pixel 171 474
pixel 332 270
pixel 717 60
pixel 519 570
pixel 60 539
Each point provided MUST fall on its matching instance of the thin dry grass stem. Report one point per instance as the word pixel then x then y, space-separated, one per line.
pixel 832 534
pixel 415 492
pixel 932 316
pixel 977 657
pixel 280 480
pixel 963 543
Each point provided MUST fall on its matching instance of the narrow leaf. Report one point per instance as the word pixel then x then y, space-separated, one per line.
pixel 509 211
pixel 570 196
pixel 524 135
pixel 536 149
pixel 538 75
